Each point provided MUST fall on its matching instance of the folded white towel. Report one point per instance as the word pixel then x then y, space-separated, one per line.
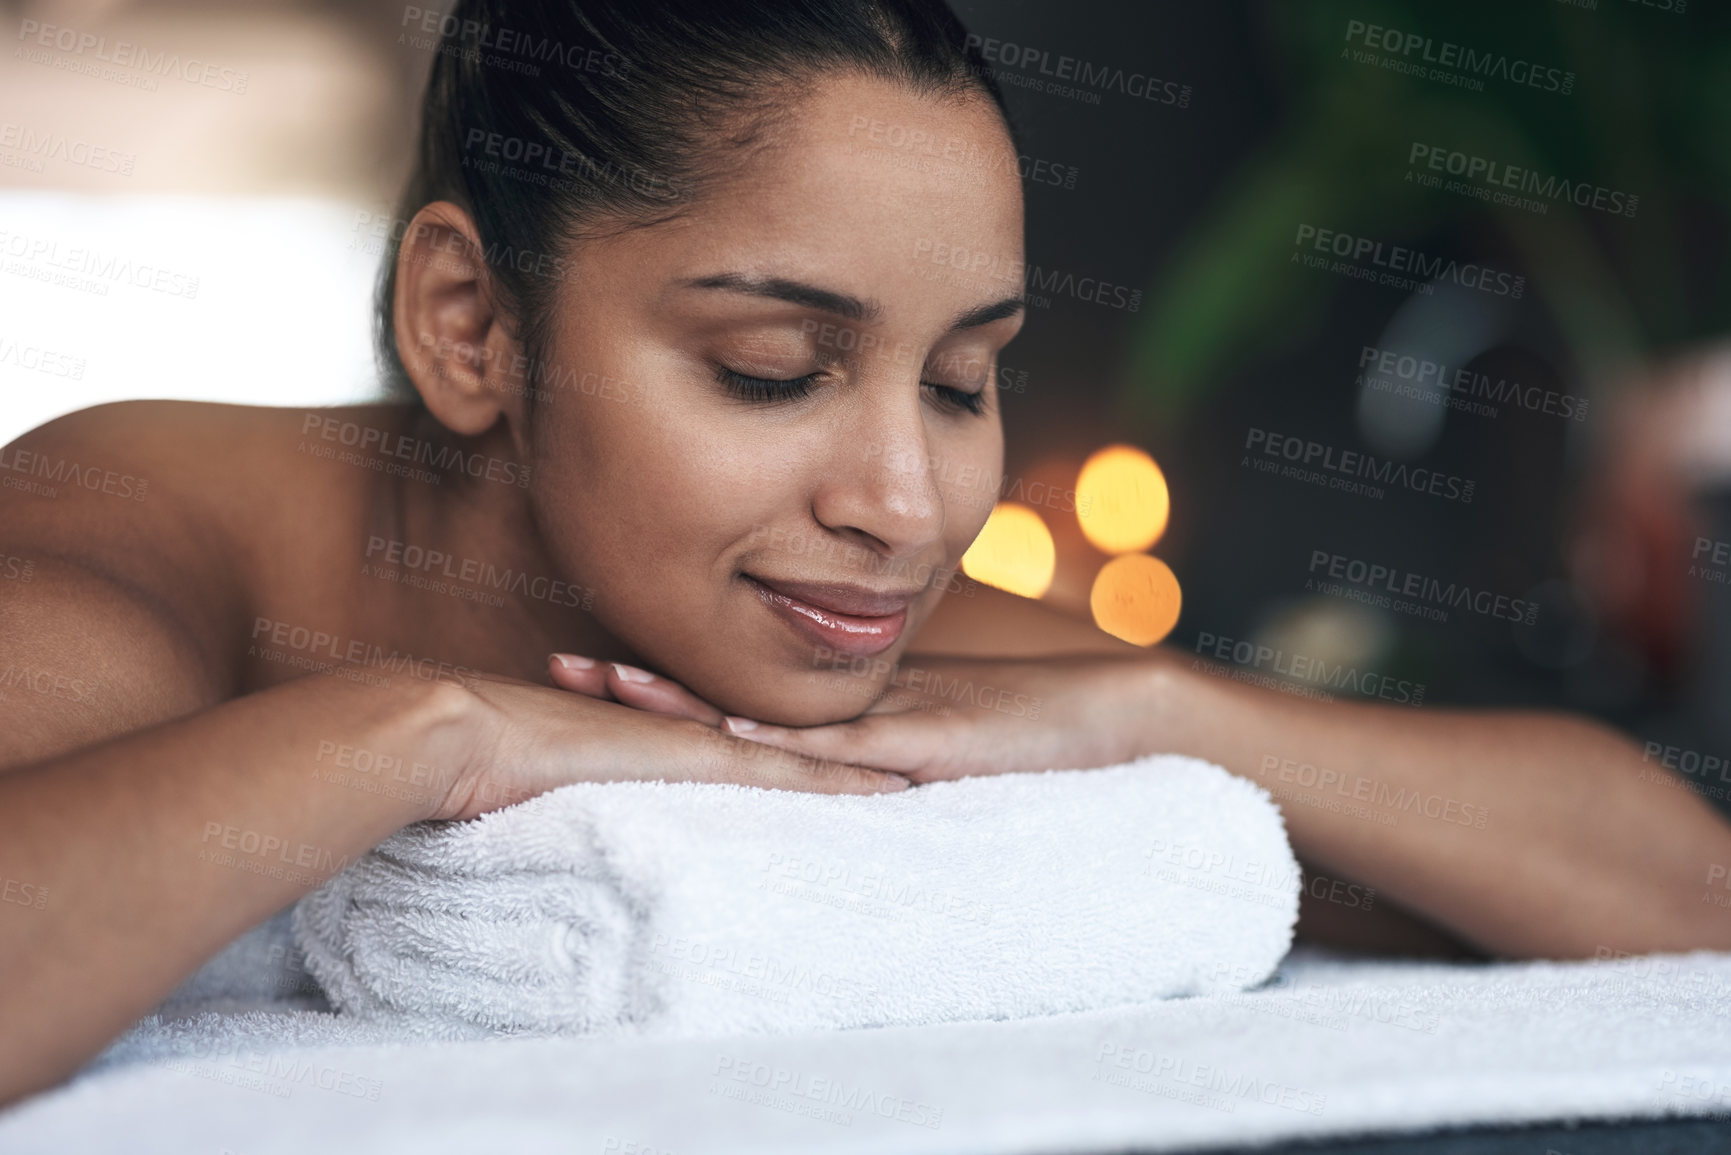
pixel 683 909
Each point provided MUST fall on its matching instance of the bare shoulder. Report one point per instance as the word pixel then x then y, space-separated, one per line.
pixel 169 498
pixel 981 622
pixel 132 538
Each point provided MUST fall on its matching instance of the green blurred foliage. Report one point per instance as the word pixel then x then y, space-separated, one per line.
pixel 1650 114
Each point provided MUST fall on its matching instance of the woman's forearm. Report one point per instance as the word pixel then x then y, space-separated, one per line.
pixel 129 863
pixel 1526 834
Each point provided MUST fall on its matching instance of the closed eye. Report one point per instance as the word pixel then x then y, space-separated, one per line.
pixel 770 390
pixel 765 390
pixel 959 399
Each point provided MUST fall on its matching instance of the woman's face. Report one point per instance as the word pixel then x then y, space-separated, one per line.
pixel 774 429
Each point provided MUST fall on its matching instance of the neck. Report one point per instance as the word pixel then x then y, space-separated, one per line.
pixel 492 597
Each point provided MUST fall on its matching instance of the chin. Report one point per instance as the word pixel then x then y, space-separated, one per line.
pixel 793 700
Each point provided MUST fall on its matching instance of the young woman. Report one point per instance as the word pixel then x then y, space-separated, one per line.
pixel 699 432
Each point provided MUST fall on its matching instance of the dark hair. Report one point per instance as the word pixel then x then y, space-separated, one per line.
pixel 546 118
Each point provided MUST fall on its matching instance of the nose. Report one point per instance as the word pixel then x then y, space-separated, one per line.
pixel 883 486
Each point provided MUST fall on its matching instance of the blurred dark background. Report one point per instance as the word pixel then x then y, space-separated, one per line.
pixel 1200 142
pixel 1595 522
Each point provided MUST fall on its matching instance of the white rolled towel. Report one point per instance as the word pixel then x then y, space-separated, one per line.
pixel 682 909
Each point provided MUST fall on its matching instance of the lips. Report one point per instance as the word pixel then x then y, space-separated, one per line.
pixel 849 619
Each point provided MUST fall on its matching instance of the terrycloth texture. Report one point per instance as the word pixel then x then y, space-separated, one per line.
pixel 678 909
pixel 1330 1048
pixel 262 969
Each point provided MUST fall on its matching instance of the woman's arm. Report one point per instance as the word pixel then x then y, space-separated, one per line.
pixel 1521 834
pixel 1549 834
pixel 1526 834
pixel 145 854
pixel 143 826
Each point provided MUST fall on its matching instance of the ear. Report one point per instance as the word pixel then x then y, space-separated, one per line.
pixel 452 338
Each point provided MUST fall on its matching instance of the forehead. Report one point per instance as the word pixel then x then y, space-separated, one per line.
pixel 868 180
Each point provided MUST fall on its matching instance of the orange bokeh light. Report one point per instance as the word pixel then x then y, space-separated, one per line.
pixel 1121 500
pixel 1136 598
pixel 1014 552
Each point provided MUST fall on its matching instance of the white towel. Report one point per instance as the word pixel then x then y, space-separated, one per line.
pixel 262 969
pixel 1379 1046
pixel 685 909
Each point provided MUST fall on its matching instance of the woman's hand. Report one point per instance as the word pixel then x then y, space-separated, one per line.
pixel 940 718
pixel 522 740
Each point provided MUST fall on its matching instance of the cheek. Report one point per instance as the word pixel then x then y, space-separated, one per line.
pixel 658 483
pixel 970 489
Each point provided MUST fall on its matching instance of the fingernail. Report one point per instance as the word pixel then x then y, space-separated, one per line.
pixel 738 725
pixel 893 783
pixel 574 661
pixel 632 673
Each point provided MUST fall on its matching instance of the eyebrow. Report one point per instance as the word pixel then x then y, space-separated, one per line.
pixel 841 304
pixel 986 314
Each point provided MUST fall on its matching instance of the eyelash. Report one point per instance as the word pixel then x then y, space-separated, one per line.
pixel 766 390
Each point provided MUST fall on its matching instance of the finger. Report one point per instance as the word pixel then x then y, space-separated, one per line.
pixel 579 674
pixel 900 743
pixel 725 758
pixel 645 691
